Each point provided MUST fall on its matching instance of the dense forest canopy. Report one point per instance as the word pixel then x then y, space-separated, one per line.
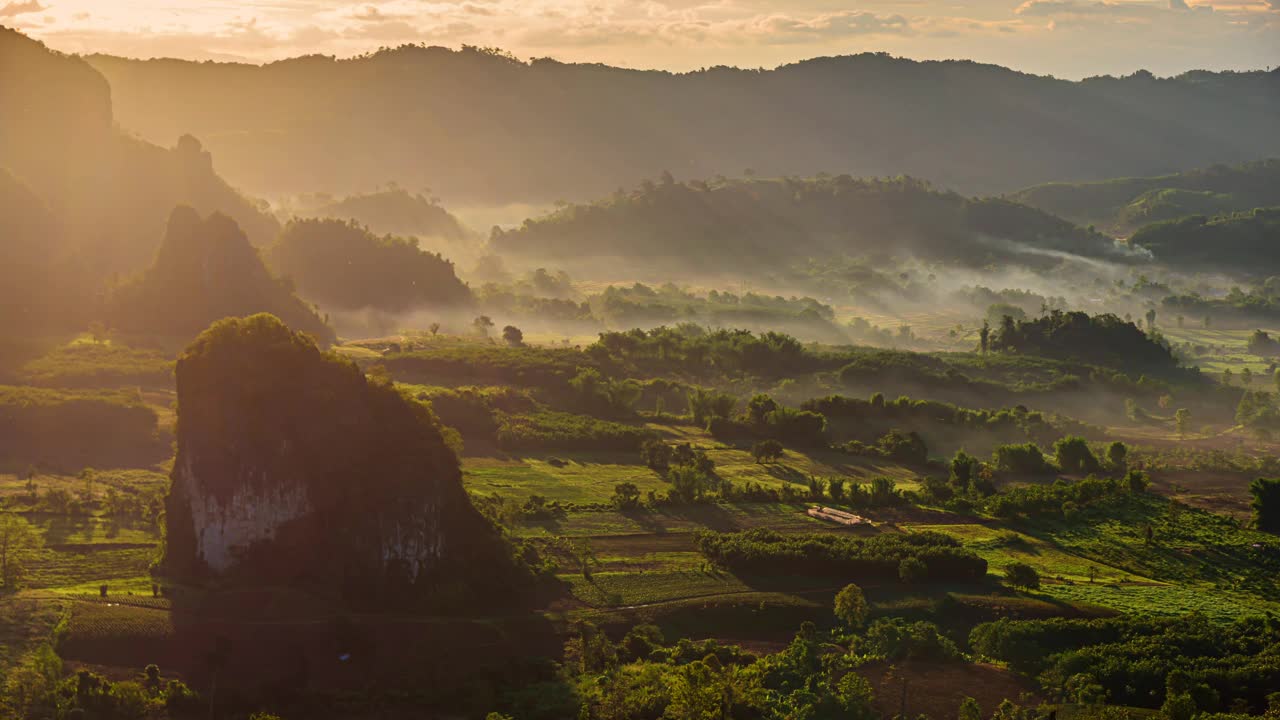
pixel 1105 340
pixel 342 265
pixel 1244 243
pixel 205 270
pixel 745 223
pixel 485 127
pixel 395 211
pixel 1123 205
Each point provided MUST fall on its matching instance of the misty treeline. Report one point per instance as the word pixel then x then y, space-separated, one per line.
pixel 749 223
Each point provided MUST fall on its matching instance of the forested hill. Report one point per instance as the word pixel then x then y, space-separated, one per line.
pixel 111 193
pixel 1123 205
pixel 765 221
pixel 1244 243
pixel 485 127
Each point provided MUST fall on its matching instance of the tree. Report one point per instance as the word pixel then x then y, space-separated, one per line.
pixel 1266 504
pixel 854 695
pixel 688 483
pixel 912 570
pixel 512 336
pixel 851 606
pixel 1246 377
pixel 434 328
pixel 969 709
pixel 1021 575
pixel 17 537
pixel 1117 454
pixel 656 455
pixel 984 337
pixel 1182 420
pixel 964 469
pixel 766 451
pixel 1151 319
pixel 626 496
pixel 759 408
pixel 1075 457
pixel 482 325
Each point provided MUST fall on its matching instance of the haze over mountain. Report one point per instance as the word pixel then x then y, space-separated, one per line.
pixel 110 192
pixel 749 224
pixel 482 127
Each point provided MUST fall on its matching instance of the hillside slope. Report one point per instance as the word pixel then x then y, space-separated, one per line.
pixel 739 224
pixel 110 192
pixel 1123 205
pixel 484 127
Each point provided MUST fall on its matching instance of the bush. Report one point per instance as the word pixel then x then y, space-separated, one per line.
pixel 1024 459
pixel 897 639
pixel 880 556
pixel 656 455
pixel 766 451
pixel 912 571
pixel 626 496
pixel 1022 575
pixel 903 447
pixel 547 429
pixel 1075 457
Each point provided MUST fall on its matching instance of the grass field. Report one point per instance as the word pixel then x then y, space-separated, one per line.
pixel 1230 352
pixel 585 478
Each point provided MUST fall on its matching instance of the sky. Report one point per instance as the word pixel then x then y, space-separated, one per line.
pixel 1064 38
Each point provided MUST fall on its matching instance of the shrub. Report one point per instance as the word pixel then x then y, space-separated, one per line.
pixel 1075 457
pixel 626 496
pixel 656 455
pixel 548 429
pixel 1023 459
pixel 766 450
pixel 897 639
pixel 1117 455
pixel 1022 575
pixel 904 447
pixel 512 336
pixel 766 551
pixel 912 571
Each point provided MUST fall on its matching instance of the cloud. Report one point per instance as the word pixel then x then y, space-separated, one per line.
pixel 785 29
pixel 372 13
pixel 14 9
pixel 682 34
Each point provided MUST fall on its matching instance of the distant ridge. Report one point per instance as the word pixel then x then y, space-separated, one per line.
pixel 480 126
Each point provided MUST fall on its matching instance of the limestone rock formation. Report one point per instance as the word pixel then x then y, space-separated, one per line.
pixel 205 270
pixel 293 468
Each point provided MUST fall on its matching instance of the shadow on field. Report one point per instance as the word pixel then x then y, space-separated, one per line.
pixel 787 473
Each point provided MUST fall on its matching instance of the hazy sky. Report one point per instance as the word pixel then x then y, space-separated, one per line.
pixel 1066 38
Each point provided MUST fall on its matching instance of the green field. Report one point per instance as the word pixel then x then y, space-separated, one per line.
pixel 1230 352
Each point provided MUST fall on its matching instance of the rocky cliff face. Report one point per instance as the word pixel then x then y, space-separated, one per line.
pixel 292 467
